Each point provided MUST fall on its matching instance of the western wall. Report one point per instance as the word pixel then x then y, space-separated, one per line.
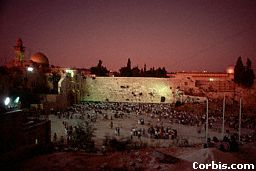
pixel 136 89
pixel 128 89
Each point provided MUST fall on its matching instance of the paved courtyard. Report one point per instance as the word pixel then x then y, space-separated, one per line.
pixel 194 134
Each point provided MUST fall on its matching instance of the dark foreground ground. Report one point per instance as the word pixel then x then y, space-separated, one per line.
pixel 173 158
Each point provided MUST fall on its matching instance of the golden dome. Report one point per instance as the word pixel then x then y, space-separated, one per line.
pixel 40 58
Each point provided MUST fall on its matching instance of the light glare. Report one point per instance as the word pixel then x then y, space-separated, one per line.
pixel 17 100
pixel 30 69
pixel 7 101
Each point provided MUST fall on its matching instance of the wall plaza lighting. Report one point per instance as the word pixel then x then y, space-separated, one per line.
pixel 7 101
pixel 17 100
pixel 11 104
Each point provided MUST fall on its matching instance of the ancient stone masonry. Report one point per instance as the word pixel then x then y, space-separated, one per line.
pixel 127 89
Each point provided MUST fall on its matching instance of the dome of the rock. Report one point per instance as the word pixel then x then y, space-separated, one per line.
pixel 40 58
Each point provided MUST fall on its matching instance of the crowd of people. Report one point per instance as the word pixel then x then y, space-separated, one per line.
pixel 162 133
pixel 159 112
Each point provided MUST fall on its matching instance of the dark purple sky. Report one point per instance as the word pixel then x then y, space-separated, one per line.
pixel 178 34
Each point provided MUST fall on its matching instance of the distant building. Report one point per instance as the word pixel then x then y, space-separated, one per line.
pixel 205 81
pixel 38 60
pixel 25 77
pixel 60 86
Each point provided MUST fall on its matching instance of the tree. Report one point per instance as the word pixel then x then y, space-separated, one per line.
pixel 244 75
pixel 99 70
pixel 160 72
pixel 249 74
pixel 126 71
pixel 151 72
pixel 136 72
pixel 82 136
pixel 55 78
pixel 145 68
pixel 99 64
pixel 164 72
pixel 239 71
pixel 129 64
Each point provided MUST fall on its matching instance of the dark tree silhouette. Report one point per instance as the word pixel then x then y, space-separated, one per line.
pixel 129 64
pixel 99 70
pixel 244 75
pixel 82 136
pixel 55 78
pixel 239 71
pixel 249 74
pixel 126 71
pixel 136 72
pixel 145 68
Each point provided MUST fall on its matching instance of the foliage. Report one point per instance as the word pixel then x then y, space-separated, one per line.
pixel 99 70
pixel 128 71
pixel 244 75
pixel 82 136
pixel 239 71
pixel 249 74
pixel 159 72
pixel 55 78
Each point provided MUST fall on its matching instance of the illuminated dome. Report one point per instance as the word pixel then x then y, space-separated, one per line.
pixel 40 58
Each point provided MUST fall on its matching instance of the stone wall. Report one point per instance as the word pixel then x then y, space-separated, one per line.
pixel 128 89
pixel 156 90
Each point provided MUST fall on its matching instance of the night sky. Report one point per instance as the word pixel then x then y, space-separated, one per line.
pixel 180 35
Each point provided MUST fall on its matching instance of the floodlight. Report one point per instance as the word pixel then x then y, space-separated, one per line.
pixel 30 69
pixel 7 101
pixel 17 100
